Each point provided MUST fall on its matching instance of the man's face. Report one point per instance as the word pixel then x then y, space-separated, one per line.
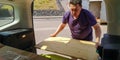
pixel 75 9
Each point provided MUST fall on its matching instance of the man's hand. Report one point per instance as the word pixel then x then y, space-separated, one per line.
pixel 53 35
pixel 97 44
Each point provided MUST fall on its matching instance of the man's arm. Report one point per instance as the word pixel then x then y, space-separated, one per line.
pixel 59 29
pixel 97 33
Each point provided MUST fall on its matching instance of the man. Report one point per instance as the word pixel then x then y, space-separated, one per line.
pixel 80 22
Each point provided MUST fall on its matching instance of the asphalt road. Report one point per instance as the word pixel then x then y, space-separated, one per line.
pixel 45 26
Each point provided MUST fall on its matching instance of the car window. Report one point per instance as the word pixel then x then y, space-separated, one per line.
pixel 6 14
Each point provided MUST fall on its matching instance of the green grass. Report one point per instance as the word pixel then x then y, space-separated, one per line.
pixel 54 57
pixel 45 4
pixel 7 7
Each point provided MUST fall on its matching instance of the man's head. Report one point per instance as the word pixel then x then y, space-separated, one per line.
pixel 75 2
pixel 75 6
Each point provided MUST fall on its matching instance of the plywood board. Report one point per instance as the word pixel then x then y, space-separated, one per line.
pixel 70 47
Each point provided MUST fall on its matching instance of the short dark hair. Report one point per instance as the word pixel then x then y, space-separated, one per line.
pixel 75 2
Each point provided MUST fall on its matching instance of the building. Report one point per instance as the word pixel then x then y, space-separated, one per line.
pixel 97 7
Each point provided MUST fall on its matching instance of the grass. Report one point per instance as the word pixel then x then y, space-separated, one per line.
pixel 7 7
pixel 45 4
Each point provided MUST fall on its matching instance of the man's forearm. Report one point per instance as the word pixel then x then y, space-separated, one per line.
pixel 60 28
pixel 97 32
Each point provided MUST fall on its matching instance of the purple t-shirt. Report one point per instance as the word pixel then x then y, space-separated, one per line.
pixel 81 28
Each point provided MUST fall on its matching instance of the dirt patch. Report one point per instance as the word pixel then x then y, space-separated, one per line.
pixel 45 5
pixel 48 8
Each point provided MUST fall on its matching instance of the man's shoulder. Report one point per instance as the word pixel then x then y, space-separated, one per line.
pixel 67 12
pixel 85 10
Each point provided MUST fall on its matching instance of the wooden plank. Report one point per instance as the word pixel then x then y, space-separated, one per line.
pixel 10 53
pixel 70 47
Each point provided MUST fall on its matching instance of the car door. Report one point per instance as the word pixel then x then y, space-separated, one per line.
pixel 15 14
pixel 16 25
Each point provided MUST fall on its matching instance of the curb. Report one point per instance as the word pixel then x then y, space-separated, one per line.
pixel 46 17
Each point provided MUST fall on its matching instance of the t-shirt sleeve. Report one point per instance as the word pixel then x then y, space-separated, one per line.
pixel 91 18
pixel 65 17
